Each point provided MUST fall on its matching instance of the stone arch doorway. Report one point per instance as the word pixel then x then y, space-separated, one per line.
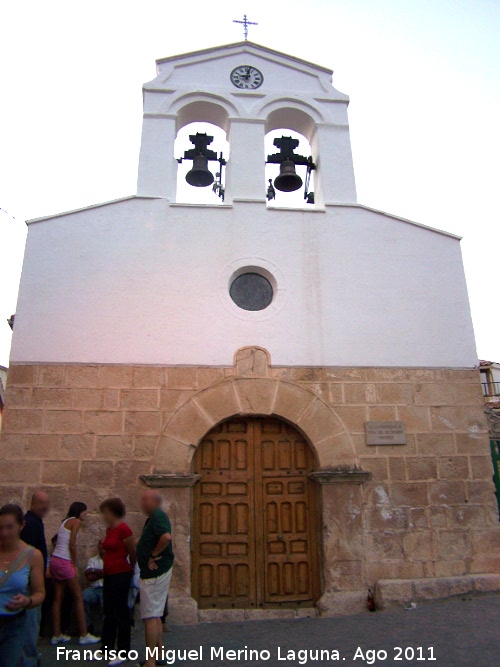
pixel 255 519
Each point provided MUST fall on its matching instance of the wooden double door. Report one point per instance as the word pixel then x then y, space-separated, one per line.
pixel 255 538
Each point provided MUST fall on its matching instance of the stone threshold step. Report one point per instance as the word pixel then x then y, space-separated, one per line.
pixel 224 615
pixel 392 593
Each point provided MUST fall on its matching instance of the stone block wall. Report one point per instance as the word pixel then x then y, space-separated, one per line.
pixel 85 432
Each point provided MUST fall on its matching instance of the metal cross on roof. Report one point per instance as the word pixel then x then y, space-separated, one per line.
pixel 245 23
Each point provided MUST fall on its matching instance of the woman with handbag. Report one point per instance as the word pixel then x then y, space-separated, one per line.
pixel 21 583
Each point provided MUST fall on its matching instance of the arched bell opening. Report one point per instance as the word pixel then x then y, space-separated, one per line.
pixel 289 118
pixel 202 150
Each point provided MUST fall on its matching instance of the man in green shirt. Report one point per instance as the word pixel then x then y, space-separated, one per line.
pixel 155 558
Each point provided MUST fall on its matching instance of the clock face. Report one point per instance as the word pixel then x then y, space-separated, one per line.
pixel 246 77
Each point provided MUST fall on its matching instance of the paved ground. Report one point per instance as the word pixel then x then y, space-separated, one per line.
pixel 461 632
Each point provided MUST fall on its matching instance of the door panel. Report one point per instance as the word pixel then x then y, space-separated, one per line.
pixel 288 512
pixel 224 528
pixel 254 527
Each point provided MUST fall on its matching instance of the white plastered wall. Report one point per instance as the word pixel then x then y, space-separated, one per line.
pixel 143 282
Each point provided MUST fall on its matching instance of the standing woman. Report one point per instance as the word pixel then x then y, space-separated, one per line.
pixel 63 571
pixel 21 583
pixel 119 562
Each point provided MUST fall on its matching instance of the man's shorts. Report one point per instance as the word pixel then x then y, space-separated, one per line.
pixel 154 594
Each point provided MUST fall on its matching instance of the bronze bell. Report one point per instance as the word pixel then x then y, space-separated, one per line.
pixel 200 175
pixel 288 180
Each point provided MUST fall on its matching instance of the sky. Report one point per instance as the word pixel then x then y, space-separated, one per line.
pixel 423 78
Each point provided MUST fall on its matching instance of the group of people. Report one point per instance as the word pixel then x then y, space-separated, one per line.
pixel 25 565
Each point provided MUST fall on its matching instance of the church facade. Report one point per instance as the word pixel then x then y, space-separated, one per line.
pixel 301 384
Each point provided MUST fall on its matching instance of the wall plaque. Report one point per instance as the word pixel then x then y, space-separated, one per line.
pixel 385 433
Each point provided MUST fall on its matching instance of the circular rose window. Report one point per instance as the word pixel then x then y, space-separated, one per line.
pixel 251 291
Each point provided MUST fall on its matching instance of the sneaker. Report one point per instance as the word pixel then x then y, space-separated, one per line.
pixel 88 639
pixel 62 639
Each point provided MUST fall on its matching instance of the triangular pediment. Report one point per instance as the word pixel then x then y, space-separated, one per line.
pixel 242 47
pixel 210 68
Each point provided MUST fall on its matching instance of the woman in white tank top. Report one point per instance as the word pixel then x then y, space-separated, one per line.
pixel 63 571
pixel 62 543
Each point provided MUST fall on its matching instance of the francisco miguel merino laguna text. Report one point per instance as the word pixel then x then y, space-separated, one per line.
pixel 171 656
pixel 299 657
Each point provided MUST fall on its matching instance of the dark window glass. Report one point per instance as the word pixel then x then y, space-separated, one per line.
pixel 251 291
